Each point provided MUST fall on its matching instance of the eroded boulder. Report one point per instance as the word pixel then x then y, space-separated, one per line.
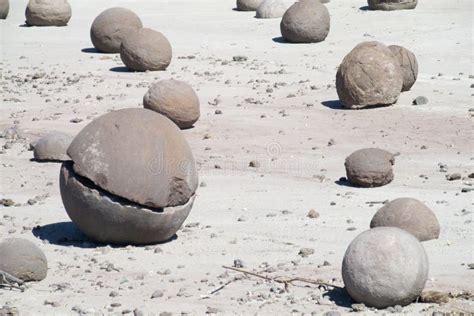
pixel 48 13
pixel 23 259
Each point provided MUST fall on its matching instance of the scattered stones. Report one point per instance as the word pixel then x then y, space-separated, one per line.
pixel 271 9
pixel 410 215
pixel 111 26
pixel 370 167
pixel 248 5
pixel 369 76
pixel 421 100
pixel 52 147
pixel 4 8
pixel 389 5
pixel 7 202
pixel 306 21
pixel 312 214
pixel 408 64
pixel 23 259
pixel 174 99
pixel 48 13
pixel 146 50
pixel 453 176
pixel 306 252
pixel 238 58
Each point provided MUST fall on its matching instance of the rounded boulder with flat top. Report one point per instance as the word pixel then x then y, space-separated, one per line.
pixel 48 13
pixel 369 167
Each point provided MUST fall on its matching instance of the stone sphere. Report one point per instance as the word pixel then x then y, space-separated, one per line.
pixel 132 179
pixel 408 64
pixel 174 99
pixel 23 259
pixel 146 49
pixel 111 26
pixel 370 167
pixel 52 147
pixel 48 13
pixel 385 266
pixel 389 5
pixel 410 215
pixel 369 75
pixel 4 8
pixel 306 21
pixel 248 5
pixel 271 9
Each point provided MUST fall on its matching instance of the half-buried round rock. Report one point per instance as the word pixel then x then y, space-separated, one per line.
pixel 48 13
pixel 174 99
pixel 52 147
pixel 369 167
pixel 23 259
pixel 271 9
pixel 111 26
pixel 408 64
pixel 132 179
pixel 248 5
pixel 146 49
pixel 389 5
pixel 410 215
pixel 4 8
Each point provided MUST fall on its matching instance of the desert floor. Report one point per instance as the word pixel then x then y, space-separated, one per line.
pixel 279 108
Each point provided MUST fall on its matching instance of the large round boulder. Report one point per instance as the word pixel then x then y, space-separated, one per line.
pixel 23 259
pixel 389 5
pixel 408 64
pixel 111 26
pixel 248 5
pixel 306 21
pixel 174 99
pixel 48 13
pixel 146 49
pixel 52 147
pixel 410 215
pixel 385 266
pixel 271 9
pixel 369 167
pixel 369 75
pixel 132 178
pixel 4 8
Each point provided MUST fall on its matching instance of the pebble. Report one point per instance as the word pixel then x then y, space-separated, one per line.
pixel 157 294
pixel 312 214
pixel 420 100
pixel 254 164
pixel 239 58
pixel 305 252
pixel 453 176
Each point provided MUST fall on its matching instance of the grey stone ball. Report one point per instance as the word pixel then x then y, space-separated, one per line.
pixel 146 49
pixel 408 64
pixel 52 147
pixel 111 26
pixel 389 5
pixel 48 13
pixel 248 5
pixel 271 9
pixel 369 167
pixel 4 8
pixel 306 21
pixel 385 266
pixel 23 259
pixel 369 75
pixel 174 99
pixel 410 215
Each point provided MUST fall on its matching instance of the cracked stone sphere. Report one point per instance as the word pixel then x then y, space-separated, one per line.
pixel 408 64
pixel 4 8
pixel 248 5
pixel 389 5
pixel 52 147
pixel 146 49
pixel 174 99
pixel 132 179
pixel 369 75
pixel 370 167
pixel 23 259
pixel 306 21
pixel 410 215
pixel 48 13
pixel 111 26
pixel 385 266
pixel 271 9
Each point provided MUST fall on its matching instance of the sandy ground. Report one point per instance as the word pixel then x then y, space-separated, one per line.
pixel 279 108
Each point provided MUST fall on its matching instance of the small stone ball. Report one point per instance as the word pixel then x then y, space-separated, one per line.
pixel 385 266
pixel 48 13
pixel 248 5
pixel 369 75
pixel 23 259
pixel 4 8
pixel 52 147
pixel 111 26
pixel 370 167
pixel 408 64
pixel 389 5
pixel 146 49
pixel 410 215
pixel 174 99
pixel 306 21
pixel 271 9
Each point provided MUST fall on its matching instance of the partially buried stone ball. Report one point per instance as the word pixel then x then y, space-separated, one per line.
pixel 270 9
pixel 174 99
pixel 306 21
pixel 146 49
pixel 410 215
pixel 52 147
pixel 369 75
pixel 48 13
pixel 389 5
pixel 408 64
pixel 385 266
pixel 111 26
pixel 23 259
pixel 370 167
pixel 248 5
pixel 132 179
pixel 4 8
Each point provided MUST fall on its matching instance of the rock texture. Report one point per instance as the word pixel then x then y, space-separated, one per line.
pixel 410 215
pixel 174 99
pixel 369 75
pixel 408 64
pixel 48 13
pixel 271 9
pixel 370 167
pixel 52 147
pixel 389 5
pixel 111 26
pixel 23 259
pixel 146 49
pixel 385 266
pixel 4 8
pixel 248 5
